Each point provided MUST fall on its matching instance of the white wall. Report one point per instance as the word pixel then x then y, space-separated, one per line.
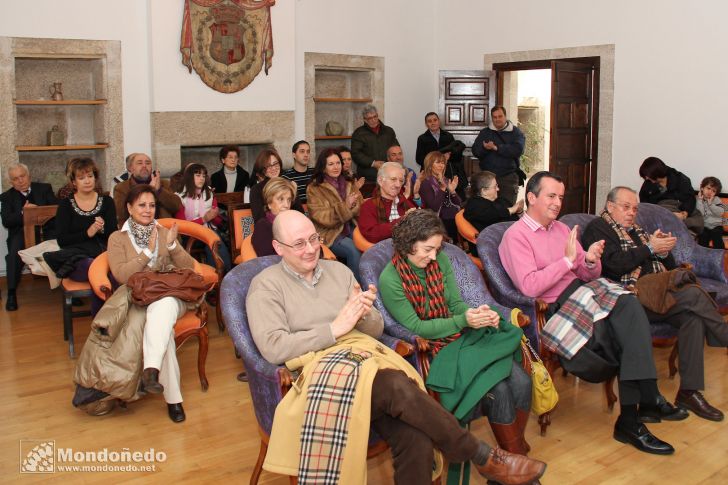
pixel 98 20
pixel 401 32
pixel 670 70
pixel 175 89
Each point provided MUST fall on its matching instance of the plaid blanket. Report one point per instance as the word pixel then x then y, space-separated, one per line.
pixel 570 328
pixel 326 421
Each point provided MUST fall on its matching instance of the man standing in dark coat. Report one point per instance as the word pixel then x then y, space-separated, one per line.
pixel 22 194
pixel 499 148
pixel 436 139
pixel 369 144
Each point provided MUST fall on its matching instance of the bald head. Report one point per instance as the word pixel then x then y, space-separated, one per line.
pixel 291 228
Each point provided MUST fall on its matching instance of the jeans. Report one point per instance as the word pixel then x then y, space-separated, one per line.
pixel 500 403
pixel 344 247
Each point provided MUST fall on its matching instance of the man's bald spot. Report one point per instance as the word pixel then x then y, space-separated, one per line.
pixel 289 221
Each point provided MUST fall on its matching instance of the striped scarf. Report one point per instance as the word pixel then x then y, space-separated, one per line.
pixel 416 295
pixel 326 422
pixel 629 280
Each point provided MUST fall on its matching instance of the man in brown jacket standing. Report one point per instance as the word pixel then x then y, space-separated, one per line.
pixel 139 166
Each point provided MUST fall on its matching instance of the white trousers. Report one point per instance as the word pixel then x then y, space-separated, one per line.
pixel 159 348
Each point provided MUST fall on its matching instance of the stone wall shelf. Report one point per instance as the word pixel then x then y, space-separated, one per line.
pixel 48 148
pixel 342 100
pixel 46 102
pixel 328 137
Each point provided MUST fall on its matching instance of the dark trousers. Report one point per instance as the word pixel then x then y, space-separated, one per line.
pixel 508 187
pixel 630 328
pixel 697 320
pixel 715 234
pixel 413 424
pixel 13 263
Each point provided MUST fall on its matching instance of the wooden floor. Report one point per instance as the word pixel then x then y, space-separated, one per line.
pixel 219 441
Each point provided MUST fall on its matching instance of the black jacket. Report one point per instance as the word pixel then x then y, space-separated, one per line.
pixel 13 201
pixel 506 159
pixel 426 143
pixel 679 187
pixel 616 262
pixel 219 182
pixel 482 213
pixel 367 146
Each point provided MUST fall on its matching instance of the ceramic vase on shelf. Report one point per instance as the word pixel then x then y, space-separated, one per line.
pixel 56 90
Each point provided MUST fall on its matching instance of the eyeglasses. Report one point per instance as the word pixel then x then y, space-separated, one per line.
pixel 300 245
pixel 272 165
pixel 626 207
pixel 371 117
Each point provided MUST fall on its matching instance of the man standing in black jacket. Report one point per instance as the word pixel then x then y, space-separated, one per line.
pixel 22 194
pixel 436 139
pixel 499 147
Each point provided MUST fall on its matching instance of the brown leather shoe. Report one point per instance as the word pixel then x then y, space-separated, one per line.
pixel 695 402
pixel 510 469
pixel 150 381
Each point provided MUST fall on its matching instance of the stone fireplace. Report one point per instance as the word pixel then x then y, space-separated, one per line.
pixel 182 136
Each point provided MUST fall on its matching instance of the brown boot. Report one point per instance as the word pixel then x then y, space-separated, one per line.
pixel 521 422
pixel 510 469
pixel 509 437
pixel 150 381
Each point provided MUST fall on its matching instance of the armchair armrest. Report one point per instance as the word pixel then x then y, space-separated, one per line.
pixel 710 263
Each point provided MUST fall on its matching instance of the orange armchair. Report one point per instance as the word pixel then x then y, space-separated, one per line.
pixel 468 233
pixel 361 243
pixel 192 323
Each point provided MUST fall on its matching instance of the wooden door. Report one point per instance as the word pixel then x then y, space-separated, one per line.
pixel 465 101
pixel 574 108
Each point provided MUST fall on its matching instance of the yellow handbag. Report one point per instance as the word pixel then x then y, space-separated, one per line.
pixel 543 392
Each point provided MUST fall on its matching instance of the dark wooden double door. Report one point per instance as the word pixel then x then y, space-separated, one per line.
pixel 467 96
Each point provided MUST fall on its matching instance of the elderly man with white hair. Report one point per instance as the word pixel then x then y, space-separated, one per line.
pixel 388 204
pixel 15 200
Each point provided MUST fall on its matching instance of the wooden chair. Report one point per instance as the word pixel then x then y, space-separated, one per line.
pixel 230 198
pixel 361 243
pixel 241 226
pixel 198 232
pixel 468 233
pixel 33 220
pixel 192 323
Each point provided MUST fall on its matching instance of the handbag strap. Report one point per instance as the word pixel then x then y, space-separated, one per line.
pixel 524 340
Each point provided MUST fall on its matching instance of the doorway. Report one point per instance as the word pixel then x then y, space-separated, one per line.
pixel 556 104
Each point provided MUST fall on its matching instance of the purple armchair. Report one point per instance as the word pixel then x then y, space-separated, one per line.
pixel 710 265
pixel 268 382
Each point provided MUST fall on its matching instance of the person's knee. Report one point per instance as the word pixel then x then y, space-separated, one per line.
pixel 390 382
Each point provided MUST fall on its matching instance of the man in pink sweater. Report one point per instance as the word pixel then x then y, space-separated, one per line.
pixel 596 328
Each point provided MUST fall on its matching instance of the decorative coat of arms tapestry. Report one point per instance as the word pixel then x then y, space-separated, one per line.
pixel 227 42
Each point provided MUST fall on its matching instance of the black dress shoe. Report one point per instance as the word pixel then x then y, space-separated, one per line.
pixel 12 304
pixel 150 381
pixel 663 410
pixel 694 401
pixel 641 438
pixel 176 412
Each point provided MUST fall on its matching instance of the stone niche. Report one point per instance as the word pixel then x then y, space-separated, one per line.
pixel 90 113
pixel 180 137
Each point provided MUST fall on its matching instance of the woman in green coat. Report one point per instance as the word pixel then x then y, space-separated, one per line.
pixel 474 369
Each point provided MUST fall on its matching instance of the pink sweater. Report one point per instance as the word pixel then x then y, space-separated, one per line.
pixel 533 256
